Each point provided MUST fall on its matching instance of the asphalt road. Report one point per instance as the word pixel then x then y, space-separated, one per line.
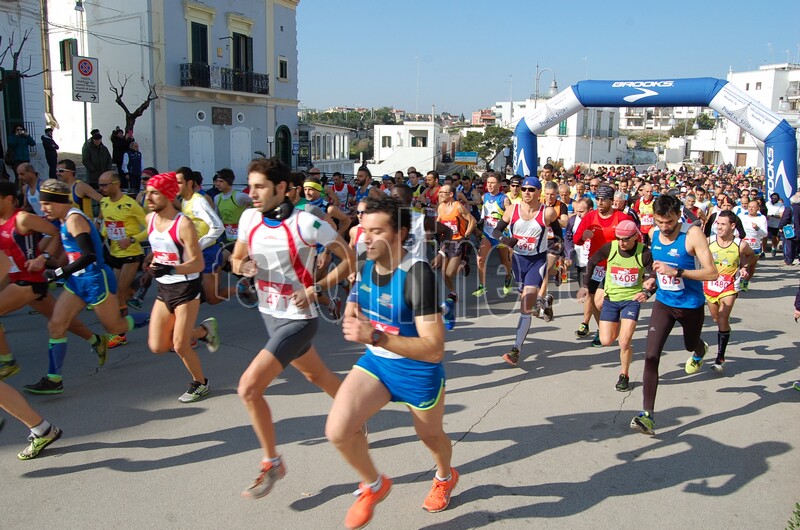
pixel 544 445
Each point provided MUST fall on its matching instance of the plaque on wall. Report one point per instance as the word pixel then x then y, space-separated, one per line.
pixel 221 116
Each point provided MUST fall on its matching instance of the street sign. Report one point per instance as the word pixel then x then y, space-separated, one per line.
pixel 295 148
pixel 85 83
pixel 466 158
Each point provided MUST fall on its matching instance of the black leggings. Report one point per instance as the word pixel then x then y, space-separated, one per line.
pixel 662 320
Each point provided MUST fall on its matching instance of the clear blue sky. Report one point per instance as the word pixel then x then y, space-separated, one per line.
pixel 472 53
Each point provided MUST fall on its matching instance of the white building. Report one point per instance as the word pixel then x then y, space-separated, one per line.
pixel 655 118
pixel 326 147
pixel 421 144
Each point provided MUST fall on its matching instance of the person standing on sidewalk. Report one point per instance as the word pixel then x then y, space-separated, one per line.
pixel 50 151
pixel 677 248
pixel 20 143
pixel 393 310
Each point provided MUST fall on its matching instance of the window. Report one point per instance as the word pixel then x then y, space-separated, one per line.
pixel 199 43
pixel 242 52
pixel 741 136
pixel 585 125
pixel 610 125
pixel 386 141
pixel 67 49
pixel 758 85
pixel 747 86
pixel 283 68
pixel 562 128
pixel 419 141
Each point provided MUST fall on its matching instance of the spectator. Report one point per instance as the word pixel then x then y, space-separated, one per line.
pixel 19 144
pixel 120 143
pixel 50 151
pixel 132 168
pixel 791 217
pixel 96 159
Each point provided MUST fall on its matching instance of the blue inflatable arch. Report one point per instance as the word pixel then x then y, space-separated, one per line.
pixel 780 144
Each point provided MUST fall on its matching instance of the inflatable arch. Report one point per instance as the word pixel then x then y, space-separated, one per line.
pixel 780 144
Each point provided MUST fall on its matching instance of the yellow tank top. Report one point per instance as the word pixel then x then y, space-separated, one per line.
pixel 187 209
pixel 726 259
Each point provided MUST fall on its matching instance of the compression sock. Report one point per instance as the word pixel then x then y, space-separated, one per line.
pixel 523 326
pixel 57 351
pixel 722 344
pixel 94 339
pixel 137 320
pixel 41 429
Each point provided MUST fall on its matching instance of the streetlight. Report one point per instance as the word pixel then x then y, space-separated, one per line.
pixel 553 86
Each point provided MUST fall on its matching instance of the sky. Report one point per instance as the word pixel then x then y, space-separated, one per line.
pixel 466 55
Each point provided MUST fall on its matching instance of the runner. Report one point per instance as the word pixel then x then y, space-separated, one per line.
pixel 276 246
pixel 82 194
pixel 364 187
pixel 644 209
pixel 555 249
pixel 402 363
pixel 455 216
pixel 229 205
pixel 430 197
pixel 30 188
pixel 313 191
pixel 423 229
pixel 20 235
pixel 528 222
pixel 755 231
pixel 775 208
pixel 627 262
pixel 89 281
pixel 42 432
pixel 123 226
pixel 598 227
pixel 177 262
pixel 209 228
pixel 495 205
pixel 676 248
pixel 345 193
pixel 735 262
pixel 514 193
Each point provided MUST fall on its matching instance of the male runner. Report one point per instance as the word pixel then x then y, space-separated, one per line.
pixel 177 262
pixel 495 204
pixel 123 226
pixel 755 231
pixel 775 208
pixel 735 261
pixel 345 193
pixel 30 188
pixel 403 361
pixel 555 247
pixel 676 248
pixel 89 281
pixel 644 209
pixel 527 222
pixel 455 216
pixel 82 194
pixel 229 204
pixel 277 246
pixel 430 197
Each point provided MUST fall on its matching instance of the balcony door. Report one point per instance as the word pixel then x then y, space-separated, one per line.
pixel 199 43
pixel 242 52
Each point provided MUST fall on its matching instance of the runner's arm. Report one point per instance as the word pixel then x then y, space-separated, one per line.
pixel 747 260
pixel 462 210
pixel 601 254
pixel 84 190
pixel 697 244
pixel 343 219
pixel 205 211
pixel 138 212
pixel 79 228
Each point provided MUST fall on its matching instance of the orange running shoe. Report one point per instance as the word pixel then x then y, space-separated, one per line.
pixel 360 513
pixel 439 497
pixel 117 340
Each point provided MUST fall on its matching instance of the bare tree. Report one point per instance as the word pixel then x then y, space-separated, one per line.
pixel 14 51
pixel 119 92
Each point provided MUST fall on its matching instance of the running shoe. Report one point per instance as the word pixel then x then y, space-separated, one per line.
pixel 449 315
pixel 547 308
pixel 136 303
pixel 212 334
pixel 512 357
pixel 644 423
pixel 596 342
pixel 774 252
pixel 438 498
pixel 39 442
pixel 8 368
pixel 693 364
pixel 195 392
pixel 117 340
pixel 101 349
pixel 360 513
pixel 480 291
pixel 245 293
pixel 508 285
pixel 45 386
pixel 265 480
pixel 623 383
pixel 583 330
pixel 335 308
pixel 796 385
pixel 718 366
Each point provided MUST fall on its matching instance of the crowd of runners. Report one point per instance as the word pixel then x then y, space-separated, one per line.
pixel 388 259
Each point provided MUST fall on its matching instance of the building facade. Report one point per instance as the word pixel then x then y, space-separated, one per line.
pixel 326 147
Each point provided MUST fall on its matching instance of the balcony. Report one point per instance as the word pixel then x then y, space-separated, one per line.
pixel 221 78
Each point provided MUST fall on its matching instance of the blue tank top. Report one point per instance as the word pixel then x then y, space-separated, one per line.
pixel 362 195
pixel 386 305
pixel 73 250
pixel 677 292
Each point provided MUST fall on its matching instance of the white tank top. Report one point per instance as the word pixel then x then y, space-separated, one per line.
pixel 415 242
pixel 33 199
pixel 531 235
pixel 168 249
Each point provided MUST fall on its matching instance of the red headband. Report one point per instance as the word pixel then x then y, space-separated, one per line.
pixel 166 184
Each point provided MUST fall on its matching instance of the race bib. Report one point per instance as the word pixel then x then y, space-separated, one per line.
pixel 231 231
pixel 386 328
pixel 599 273
pixel 669 283
pixel 646 219
pixel 720 285
pixel 752 242
pixel 525 244
pixel 275 296
pixel 166 258
pixel 624 277
pixel 490 223
pixel 452 225
pixel 115 230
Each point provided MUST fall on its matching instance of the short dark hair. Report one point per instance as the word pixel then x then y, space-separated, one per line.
pixel 665 204
pixel 434 173
pixel 399 213
pixel 366 170
pixel 68 164
pixel 7 188
pixel 226 174
pixel 729 215
pixel 272 168
pixel 404 193
pixel 548 166
pixel 186 171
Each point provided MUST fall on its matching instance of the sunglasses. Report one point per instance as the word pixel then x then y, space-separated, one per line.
pixel 62 170
pixel 515 185
pixel 626 238
pixel 359 213
pixel 528 189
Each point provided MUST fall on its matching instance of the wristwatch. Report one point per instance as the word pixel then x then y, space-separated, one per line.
pixel 376 337
pixel 317 288
pixel 133 240
pixel 45 254
pixel 678 272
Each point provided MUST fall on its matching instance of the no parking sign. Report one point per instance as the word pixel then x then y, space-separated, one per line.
pixel 85 85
